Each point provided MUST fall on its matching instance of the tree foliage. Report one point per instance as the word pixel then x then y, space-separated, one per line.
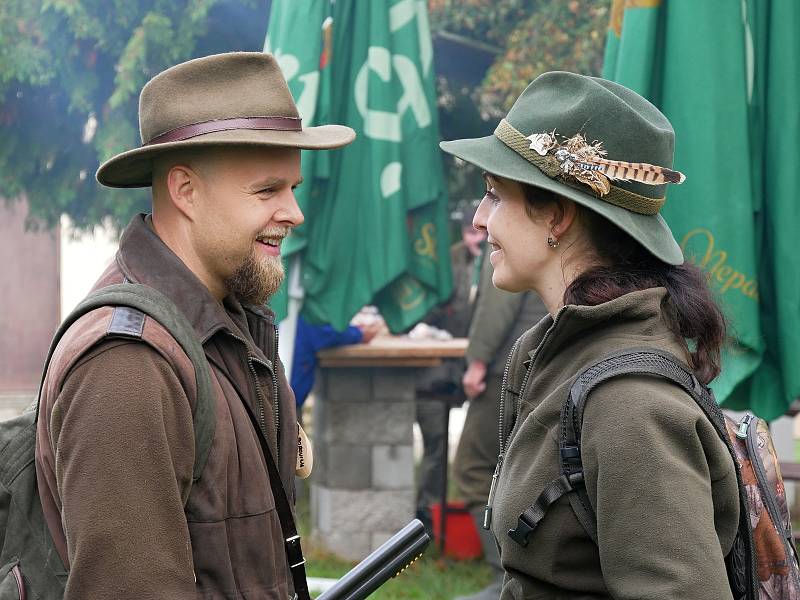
pixel 531 37
pixel 528 38
pixel 71 71
pixel 70 74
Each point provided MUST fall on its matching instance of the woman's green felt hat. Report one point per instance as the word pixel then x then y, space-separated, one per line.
pixel 629 127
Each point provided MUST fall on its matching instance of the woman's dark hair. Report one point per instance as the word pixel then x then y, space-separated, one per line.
pixel 627 267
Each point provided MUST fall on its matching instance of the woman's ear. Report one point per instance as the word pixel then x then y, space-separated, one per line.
pixel 563 217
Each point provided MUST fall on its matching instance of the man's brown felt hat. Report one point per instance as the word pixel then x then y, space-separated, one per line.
pixel 232 99
pixel 630 128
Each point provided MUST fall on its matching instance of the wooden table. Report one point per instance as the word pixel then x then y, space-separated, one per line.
pixel 362 487
pixel 393 351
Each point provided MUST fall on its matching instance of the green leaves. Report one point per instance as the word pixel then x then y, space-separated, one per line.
pixel 533 36
pixel 70 76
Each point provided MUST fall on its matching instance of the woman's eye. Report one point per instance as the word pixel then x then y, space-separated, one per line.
pixel 493 198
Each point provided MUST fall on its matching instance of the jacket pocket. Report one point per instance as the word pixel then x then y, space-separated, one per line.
pixel 12 585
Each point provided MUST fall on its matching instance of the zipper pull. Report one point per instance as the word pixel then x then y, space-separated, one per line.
pixel 487 513
pixel 744 425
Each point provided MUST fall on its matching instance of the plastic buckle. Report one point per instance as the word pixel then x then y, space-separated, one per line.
pixel 294 552
pixel 575 478
pixel 521 532
pixel 571 455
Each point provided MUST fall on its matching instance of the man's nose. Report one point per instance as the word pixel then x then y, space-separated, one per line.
pixel 290 214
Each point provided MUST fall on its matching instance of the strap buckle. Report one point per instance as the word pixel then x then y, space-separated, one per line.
pixel 294 552
pixel 570 454
pixel 521 532
pixel 574 479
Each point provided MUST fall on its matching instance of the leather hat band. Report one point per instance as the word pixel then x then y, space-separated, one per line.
pixel 193 130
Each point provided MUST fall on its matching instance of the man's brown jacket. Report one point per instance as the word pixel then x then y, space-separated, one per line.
pixel 115 446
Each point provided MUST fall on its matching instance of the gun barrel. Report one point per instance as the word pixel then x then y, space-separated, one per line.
pixel 388 560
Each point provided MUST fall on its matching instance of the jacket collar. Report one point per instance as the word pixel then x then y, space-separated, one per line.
pixel 144 258
pixel 644 313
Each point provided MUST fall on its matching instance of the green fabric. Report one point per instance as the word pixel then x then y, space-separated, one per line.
pixel 732 96
pixel 377 230
pixel 572 104
pixel 299 57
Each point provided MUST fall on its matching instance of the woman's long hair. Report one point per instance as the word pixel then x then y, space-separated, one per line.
pixel 625 266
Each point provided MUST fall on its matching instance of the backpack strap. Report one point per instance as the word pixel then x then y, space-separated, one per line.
pixel 640 361
pixel 134 301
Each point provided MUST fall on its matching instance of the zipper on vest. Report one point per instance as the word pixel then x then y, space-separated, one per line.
pixel 275 405
pixel 506 439
pixel 262 419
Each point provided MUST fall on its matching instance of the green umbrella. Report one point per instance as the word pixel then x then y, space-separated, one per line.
pixel 376 229
pixel 727 75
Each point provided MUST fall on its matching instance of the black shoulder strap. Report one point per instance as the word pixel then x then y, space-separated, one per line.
pixel 643 361
pixel 294 551
pixel 153 303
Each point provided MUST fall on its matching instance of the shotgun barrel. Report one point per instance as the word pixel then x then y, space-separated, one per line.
pixel 388 561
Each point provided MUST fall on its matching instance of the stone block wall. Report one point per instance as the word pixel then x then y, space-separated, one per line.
pixel 362 486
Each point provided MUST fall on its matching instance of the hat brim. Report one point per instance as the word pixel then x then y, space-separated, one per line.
pixel 493 156
pixel 134 168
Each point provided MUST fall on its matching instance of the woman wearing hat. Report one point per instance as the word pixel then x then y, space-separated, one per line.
pixel 569 220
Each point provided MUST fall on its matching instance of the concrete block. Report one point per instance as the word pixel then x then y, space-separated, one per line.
pixel 393 467
pixel 349 546
pixel 394 384
pixel 321 509
pixel 359 424
pixel 348 467
pixel 352 511
pixel 346 385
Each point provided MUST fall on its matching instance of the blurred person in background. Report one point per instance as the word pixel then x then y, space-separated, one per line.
pixel 310 339
pixel 453 317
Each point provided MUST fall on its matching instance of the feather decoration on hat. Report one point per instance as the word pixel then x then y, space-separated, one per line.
pixel 586 163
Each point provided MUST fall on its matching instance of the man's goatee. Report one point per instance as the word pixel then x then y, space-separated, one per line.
pixel 255 281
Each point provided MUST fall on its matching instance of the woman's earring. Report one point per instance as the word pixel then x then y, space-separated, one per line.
pixel 552 242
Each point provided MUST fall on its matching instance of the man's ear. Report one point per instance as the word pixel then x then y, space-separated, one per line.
pixel 183 185
pixel 563 217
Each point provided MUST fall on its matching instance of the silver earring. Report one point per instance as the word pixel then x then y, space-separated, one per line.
pixel 552 242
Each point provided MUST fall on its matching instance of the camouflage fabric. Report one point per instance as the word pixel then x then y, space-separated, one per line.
pixel 776 562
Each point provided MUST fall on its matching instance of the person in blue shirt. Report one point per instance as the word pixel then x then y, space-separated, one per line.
pixel 309 340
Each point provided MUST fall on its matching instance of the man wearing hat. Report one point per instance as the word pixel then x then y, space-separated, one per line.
pixel 221 140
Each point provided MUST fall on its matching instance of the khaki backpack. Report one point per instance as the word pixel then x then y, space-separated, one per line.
pixel 30 567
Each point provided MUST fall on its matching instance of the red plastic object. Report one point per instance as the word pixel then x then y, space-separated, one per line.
pixel 461 539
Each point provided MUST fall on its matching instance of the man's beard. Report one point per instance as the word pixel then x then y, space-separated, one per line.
pixel 256 279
